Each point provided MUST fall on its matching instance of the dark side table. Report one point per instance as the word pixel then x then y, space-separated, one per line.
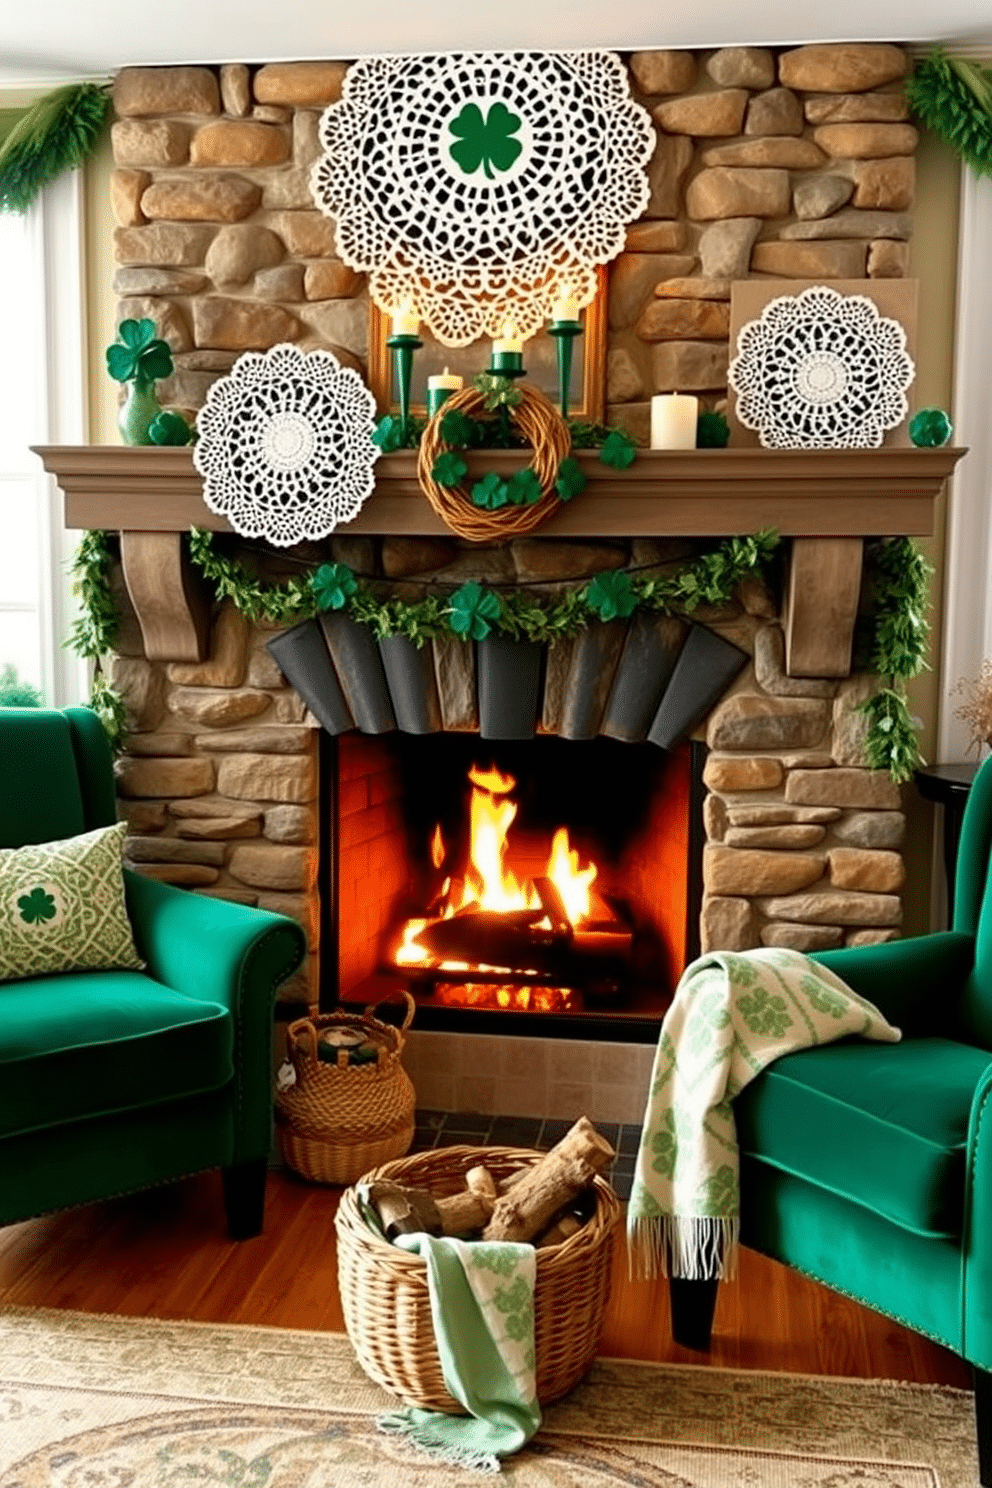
pixel 948 786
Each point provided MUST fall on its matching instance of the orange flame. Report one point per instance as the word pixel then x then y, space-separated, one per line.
pixel 488 883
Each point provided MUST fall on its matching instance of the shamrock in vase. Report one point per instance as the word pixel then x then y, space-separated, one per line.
pixel 140 358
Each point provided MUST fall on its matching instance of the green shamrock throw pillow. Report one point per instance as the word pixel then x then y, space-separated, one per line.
pixel 62 907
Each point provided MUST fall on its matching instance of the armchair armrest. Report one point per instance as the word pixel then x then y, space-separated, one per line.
pixel 220 952
pixel 915 983
pixel 977 1240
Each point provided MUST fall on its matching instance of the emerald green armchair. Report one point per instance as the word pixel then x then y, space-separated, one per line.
pixel 869 1166
pixel 117 1080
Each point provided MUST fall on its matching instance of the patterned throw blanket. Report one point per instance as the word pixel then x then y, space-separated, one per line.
pixel 482 1307
pixel 732 1014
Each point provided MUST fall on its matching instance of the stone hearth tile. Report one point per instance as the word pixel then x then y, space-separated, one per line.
pixel 521 1059
pixel 475 1094
pixel 524 1098
pixel 569 1061
pixel 569 1102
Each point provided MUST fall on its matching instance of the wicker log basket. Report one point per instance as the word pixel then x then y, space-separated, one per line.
pixel 385 1298
pixel 339 1120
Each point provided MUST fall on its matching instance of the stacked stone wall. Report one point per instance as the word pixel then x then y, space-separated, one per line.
pixel 796 164
pixel 219 779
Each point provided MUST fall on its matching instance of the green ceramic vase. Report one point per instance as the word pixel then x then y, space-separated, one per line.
pixel 138 411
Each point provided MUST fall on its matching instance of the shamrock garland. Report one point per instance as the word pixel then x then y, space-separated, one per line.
pixel 892 640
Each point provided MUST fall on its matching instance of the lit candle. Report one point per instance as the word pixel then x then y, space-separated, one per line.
pixel 440 388
pixel 405 320
pixel 508 350
pixel 673 421
pixel 565 308
pixel 508 340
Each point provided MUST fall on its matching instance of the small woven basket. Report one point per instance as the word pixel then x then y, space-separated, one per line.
pixel 339 1120
pixel 386 1303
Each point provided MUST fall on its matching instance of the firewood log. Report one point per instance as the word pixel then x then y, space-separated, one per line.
pixel 524 1210
pixel 562 1229
pixel 405 1211
pixel 482 1182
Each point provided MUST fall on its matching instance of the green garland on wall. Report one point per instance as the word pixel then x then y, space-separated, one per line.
pixel 953 97
pixel 893 644
pixel 56 133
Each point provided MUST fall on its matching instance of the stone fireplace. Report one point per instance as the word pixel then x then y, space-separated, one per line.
pixel 797 842
pixel 796 164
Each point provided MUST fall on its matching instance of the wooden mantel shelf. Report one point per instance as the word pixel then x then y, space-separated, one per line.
pixel 827 501
pixel 697 493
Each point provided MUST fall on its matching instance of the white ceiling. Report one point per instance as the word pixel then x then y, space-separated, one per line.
pixel 43 41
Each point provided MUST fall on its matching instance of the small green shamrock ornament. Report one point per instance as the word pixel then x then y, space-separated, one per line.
pixel 930 428
pixel 448 468
pixel 490 492
pixel 485 141
pixel 333 584
pixel 471 610
pixel 140 355
pixel 571 479
pixel 618 451
pixel 169 428
pixel 611 596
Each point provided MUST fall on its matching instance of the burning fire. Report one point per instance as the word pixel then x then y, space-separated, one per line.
pixel 488 885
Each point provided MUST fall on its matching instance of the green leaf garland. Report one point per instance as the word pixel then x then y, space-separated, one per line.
pixel 55 134
pixel 893 643
pixel 953 97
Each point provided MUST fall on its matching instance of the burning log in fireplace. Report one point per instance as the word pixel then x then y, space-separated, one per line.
pixel 486 925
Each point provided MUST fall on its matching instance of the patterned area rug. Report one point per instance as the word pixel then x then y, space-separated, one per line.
pixel 100 1402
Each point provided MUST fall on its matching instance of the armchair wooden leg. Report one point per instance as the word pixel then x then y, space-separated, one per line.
pixel 244 1197
pixel 693 1304
pixel 983 1424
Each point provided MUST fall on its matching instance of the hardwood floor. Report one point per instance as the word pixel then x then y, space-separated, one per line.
pixel 166 1254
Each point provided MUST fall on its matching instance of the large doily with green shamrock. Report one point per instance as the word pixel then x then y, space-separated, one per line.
pixel 480 185
pixel 821 370
pixel 285 445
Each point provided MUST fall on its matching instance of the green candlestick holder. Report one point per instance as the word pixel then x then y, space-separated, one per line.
pixel 403 348
pixel 564 332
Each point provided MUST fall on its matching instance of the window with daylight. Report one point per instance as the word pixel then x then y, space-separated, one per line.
pixel 41 402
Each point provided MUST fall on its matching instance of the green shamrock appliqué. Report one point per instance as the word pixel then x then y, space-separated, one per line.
pixel 610 595
pixel 471 611
pixel 764 1014
pixel 333 585
pixel 487 141
pixel 36 906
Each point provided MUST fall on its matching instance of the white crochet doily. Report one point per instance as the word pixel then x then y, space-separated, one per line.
pixel 821 370
pixel 285 445
pixel 481 185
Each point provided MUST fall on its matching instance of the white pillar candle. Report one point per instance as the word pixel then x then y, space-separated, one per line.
pixel 509 339
pixel 449 381
pixel 673 421
pixel 566 307
pixel 405 320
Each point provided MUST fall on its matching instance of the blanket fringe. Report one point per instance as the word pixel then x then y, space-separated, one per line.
pixel 426 1436
pixel 696 1248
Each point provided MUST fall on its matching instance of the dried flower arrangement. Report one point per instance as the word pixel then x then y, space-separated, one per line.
pixel 976 710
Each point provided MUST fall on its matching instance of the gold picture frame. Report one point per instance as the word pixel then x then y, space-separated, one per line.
pixel 587 397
